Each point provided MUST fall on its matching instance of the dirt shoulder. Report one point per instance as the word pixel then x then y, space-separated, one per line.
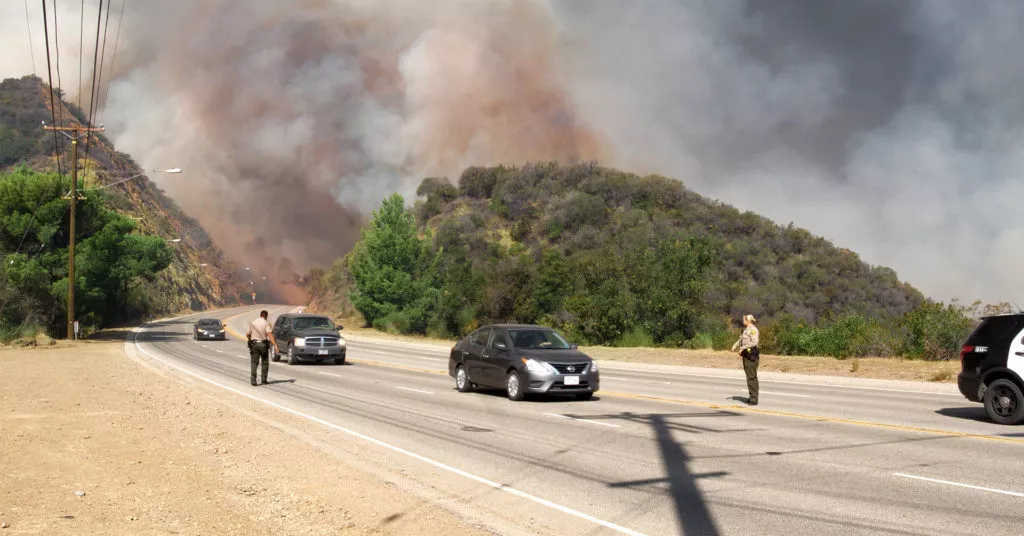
pixel 152 456
pixel 865 367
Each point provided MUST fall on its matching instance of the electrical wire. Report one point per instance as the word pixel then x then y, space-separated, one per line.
pixel 60 85
pixel 31 47
pixel 81 53
pixel 97 75
pixel 56 139
pixel 113 61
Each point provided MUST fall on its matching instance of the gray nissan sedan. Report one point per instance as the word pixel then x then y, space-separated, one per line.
pixel 522 359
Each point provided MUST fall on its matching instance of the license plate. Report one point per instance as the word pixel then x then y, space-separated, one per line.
pixel 321 352
pixel 572 380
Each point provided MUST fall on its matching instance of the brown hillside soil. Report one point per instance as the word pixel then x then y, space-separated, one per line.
pixel 155 457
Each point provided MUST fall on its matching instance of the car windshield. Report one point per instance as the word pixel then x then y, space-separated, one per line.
pixel 313 323
pixel 537 339
pixel 207 323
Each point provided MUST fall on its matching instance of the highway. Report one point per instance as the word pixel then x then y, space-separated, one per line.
pixel 660 450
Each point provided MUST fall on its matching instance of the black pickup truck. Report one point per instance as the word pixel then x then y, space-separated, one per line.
pixel 308 337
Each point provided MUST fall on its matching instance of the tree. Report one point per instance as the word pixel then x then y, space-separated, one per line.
pixel 394 270
pixel 111 256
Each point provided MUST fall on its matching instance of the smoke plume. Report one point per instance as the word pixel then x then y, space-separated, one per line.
pixel 889 127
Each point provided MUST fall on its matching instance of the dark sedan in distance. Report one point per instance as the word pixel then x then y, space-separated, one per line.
pixel 208 329
pixel 522 359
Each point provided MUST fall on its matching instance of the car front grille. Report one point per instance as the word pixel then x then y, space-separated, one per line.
pixel 564 368
pixel 321 342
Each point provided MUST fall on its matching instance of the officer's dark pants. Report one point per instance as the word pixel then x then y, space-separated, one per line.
pixel 260 352
pixel 750 369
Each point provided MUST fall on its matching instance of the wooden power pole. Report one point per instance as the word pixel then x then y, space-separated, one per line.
pixel 78 130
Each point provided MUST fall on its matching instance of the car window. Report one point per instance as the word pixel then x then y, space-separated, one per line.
pixel 286 323
pixel 994 330
pixel 480 337
pixel 209 322
pixel 313 322
pixel 537 339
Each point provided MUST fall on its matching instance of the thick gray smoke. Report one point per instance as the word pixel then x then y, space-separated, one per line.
pixel 890 127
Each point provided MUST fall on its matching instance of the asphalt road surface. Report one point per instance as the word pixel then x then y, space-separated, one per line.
pixel 660 450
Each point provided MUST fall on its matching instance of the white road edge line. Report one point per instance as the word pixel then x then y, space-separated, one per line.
pixel 329 374
pixel 785 394
pixel 969 486
pixel 400 450
pixel 583 420
pixel 414 390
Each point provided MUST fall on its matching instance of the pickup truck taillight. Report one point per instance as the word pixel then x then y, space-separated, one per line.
pixel 964 351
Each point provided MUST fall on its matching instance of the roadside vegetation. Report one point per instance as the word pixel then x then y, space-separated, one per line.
pixel 111 259
pixel 616 259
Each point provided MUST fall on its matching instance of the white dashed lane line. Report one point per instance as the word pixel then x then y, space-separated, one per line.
pixel 959 485
pixel 414 390
pixel 785 394
pixel 599 423
pixel 329 374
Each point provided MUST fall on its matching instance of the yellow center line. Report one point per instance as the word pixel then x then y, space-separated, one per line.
pixel 734 407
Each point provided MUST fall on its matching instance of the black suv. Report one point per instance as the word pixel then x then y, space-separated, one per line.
pixel 992 362
pixel 308 337
pixel 522 359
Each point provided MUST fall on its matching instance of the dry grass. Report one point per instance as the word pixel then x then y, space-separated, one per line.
pixel 864 367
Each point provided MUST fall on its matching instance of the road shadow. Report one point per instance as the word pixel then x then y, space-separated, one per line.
pixel 535 398
pixel 275 382
pixel 972 413
pixel 692 514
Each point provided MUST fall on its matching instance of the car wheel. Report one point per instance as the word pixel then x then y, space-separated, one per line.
pixel 340 360
pixel 1004 402
pixel 584 396
pixel 514 386
pixel 462 382
pixel 291 355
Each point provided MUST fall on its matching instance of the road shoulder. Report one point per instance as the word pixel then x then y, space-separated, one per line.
pixel 152 456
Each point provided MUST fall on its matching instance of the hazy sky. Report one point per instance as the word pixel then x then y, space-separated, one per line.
pixel 892 128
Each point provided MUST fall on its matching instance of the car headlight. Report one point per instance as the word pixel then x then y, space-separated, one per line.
pixel 593 366
pixel 222 331
pixel 538 367
pixel 203 331
pixel 341 342
pixel 299 341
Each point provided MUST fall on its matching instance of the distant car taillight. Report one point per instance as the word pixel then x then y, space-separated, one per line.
pixel 964 351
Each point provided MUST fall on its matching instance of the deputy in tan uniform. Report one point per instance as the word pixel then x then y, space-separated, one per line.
pixel 750 353
pixel 260 337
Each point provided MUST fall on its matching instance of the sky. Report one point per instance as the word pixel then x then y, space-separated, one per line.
pixel 890 128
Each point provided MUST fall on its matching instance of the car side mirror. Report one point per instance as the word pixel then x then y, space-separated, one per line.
pixel 500 346
pixel 574 346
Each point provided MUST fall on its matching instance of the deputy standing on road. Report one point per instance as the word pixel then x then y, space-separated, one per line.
pixel 260 337
pixel 750 354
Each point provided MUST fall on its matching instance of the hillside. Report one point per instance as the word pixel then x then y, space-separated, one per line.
pixel 199 275
pixel 615 258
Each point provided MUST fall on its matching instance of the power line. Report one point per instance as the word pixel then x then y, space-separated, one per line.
pixel 60 84
pixel 56 140
pixel 113 61
pixel 81 53
pixel 31 47
pixel 95 65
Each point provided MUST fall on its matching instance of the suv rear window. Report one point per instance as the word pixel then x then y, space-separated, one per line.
pixel 994 330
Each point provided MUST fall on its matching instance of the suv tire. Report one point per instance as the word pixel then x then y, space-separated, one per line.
pixel 291 355
pixel 1004 402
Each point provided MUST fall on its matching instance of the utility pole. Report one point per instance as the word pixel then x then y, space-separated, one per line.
pixel 78 130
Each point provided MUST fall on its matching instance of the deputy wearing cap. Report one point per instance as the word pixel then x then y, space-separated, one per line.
pixel 750 354
pixel 260 337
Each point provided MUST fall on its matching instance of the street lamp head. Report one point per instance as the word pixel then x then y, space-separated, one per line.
pixel 173 170
pixel 176 240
